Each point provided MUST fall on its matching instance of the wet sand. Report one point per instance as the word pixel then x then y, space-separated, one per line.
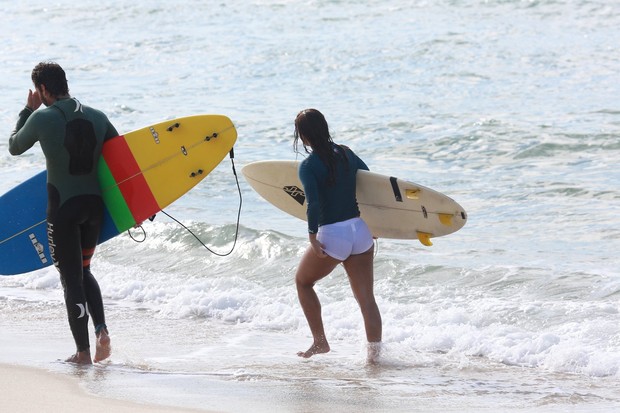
pixel 26 389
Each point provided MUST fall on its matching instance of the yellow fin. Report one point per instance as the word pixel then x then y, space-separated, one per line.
pixel 446 219
pixel 424 238
pixel 412 193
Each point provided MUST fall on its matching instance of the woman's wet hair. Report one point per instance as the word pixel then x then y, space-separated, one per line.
pixel 311 127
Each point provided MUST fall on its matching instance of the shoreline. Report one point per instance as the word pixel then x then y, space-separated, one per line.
pixel 211 374
pixel 27 389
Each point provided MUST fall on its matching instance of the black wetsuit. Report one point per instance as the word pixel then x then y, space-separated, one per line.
pixel 71 137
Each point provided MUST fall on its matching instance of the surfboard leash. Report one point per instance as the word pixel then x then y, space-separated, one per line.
pixel 232 160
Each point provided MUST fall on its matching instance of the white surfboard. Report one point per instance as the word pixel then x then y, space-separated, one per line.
pixel 391 207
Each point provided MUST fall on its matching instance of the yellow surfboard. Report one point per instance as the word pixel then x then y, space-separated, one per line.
pixel 144 171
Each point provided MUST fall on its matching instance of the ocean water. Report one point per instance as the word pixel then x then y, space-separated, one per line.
pixel 511 107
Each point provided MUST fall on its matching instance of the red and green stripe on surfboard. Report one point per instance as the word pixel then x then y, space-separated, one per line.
pixel 126 193
pixel 145 170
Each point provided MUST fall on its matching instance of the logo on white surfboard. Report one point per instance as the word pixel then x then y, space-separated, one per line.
pixel 296 193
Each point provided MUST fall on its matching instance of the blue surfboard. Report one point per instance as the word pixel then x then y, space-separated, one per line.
pixel 23 233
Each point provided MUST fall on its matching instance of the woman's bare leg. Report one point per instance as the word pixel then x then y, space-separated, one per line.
pixel 311 269
pixel 361 276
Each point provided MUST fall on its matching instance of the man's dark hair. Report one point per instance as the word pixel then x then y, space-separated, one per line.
pixel 52 76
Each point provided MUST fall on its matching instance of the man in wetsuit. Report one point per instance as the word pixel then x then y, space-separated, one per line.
pixel 71 136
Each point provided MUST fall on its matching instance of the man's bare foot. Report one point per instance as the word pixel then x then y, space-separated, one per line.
pixel 103 349
pixel 81 357
pixel 316 348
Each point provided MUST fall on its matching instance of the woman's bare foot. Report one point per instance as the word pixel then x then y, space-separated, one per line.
pixel 81 357
pixel 316 348
pixel 103 349
pixel 373 352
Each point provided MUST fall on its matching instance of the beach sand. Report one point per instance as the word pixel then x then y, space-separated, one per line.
pixel 26 389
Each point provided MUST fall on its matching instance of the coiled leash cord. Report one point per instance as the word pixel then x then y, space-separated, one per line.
pixel 232 160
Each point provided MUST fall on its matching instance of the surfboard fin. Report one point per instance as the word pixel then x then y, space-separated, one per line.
pixel 424 238
pixel 412 193
pixel 445 219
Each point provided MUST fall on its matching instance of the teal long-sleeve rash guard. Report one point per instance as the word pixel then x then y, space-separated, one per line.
pixel 328 204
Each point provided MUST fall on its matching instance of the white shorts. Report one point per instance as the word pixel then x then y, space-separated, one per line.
pixel 342 239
